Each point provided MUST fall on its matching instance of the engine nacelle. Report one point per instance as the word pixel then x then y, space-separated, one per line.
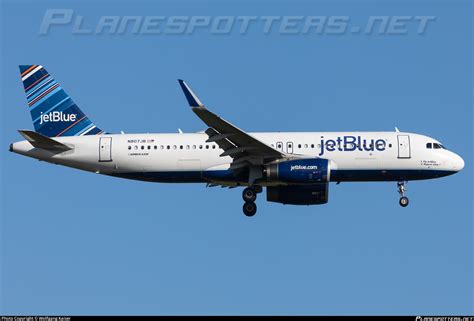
pixel 299 194
pixel 299 171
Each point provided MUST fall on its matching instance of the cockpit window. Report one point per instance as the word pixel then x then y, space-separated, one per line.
pixel 435 146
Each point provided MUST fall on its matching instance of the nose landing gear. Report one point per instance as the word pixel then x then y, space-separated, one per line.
pixel 401 190
pixel 249 195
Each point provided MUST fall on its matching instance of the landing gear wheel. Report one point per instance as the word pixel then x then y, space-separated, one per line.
pixel 404 201
pixel 249 194
pixel 401 190
pixel 250 208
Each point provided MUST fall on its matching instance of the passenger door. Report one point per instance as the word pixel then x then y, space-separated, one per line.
pixel 404 146
pixel 105 149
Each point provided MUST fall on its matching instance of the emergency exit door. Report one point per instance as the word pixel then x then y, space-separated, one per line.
pixel 404 146
pixel 105 149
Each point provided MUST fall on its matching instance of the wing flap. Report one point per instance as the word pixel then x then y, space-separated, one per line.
pixel 217 137
pixel 223 143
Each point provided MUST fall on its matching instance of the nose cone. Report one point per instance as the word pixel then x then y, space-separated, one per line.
pixel 458 162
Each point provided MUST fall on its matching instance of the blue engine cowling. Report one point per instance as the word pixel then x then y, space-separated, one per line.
pixel 299 194
pixel 299 171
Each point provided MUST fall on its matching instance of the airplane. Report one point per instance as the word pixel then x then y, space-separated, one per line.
pixel 294 167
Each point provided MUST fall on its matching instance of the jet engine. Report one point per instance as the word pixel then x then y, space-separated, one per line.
pixel 299 171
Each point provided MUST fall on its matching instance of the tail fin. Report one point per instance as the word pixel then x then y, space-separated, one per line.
pixel 53 112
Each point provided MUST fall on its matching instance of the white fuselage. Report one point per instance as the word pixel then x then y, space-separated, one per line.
pixel 354 156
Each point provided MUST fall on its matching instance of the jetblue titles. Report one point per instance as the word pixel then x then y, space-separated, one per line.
pixel 57 116
pixel 351 143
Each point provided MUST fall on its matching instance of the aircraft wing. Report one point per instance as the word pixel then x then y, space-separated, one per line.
pixel 245 149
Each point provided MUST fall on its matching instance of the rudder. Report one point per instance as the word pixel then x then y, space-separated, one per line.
pixel 53 112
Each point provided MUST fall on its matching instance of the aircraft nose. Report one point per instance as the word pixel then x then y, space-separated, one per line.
pixel 458 162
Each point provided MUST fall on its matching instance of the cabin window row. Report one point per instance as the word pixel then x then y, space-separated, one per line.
pixel 169 147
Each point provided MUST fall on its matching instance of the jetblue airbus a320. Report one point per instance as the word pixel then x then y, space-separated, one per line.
pixel 295 168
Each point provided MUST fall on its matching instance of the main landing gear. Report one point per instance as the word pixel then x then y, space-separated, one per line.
pixel 250 208
pixel 401 190
pixel 249 195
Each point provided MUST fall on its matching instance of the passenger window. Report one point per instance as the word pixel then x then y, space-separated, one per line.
pixel 156 147
pixel 136 147
pixel 194 146
pixel 149 146
pixel 428 145
pixel 143 147
pixel 162 147
pixel 200 146
pixel 390 145
pixel 187 146
pixel 168 147
pixel 213 146
pixel 299 145
pixel 181 147
pixel 129 147
pixel 312 145
pixel 207 146
pixel 279 146
pixel 174 147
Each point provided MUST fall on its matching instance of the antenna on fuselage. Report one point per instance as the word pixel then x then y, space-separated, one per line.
pixel 396 129
pixel 180 131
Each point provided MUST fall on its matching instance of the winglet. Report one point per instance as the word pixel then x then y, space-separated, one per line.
pixel 193 100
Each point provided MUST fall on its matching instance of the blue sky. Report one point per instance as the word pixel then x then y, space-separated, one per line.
pixel 78 243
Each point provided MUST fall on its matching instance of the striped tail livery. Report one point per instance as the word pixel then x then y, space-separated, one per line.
pixel 53 112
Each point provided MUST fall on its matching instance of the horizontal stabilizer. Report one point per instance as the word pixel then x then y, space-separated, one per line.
pixel 43 142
